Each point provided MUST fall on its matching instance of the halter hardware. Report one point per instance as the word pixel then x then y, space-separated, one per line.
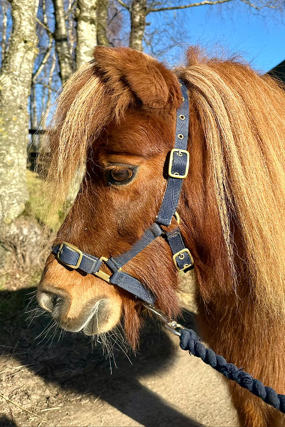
pixel 102 274
pixel 184 254
pixel 169 324
pixel 177 217
pixel 178 167
pixel 172 164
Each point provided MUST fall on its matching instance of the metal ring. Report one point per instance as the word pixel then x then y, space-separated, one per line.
pixel 180 136
pixel 182 117
pixel 181 256
pixel 183 99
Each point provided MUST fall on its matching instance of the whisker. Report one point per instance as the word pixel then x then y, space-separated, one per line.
pixel 119 341
pixel 51 327
pixel 56 329
pixel 45 329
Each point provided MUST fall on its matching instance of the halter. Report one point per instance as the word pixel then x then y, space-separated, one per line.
pixel 178 166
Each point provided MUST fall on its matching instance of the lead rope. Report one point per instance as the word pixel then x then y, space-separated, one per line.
pixel 190 341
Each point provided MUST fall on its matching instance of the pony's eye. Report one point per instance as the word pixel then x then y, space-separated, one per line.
pixel 120 175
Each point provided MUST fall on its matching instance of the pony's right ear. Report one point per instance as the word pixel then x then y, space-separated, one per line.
pixel 124 69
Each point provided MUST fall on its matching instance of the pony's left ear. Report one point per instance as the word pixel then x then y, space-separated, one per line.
pixel 127 69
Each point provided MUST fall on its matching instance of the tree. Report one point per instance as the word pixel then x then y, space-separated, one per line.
pixel 140 9
pixel 86 30
pixel 102 23
pixel 15 81
pixel 61 42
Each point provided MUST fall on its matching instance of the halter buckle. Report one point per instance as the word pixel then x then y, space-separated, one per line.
pixel 181 255
pixel 179 152
pixel 102 274
pixel 74 249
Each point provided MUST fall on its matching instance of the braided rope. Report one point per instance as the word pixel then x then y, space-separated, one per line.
pixel 189 340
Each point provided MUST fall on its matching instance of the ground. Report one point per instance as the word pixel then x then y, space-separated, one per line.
pixel 71 382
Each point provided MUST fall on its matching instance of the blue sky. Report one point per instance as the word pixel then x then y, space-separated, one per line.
pixel 234 28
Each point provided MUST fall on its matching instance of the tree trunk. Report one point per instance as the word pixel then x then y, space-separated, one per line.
pixel 102 16
pixel 86 31
pixel 4 29
pixel 61 42
pixel 138 10
pixel 15 86
pixel 34 146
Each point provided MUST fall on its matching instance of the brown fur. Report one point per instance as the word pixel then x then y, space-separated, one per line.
pixel 121 108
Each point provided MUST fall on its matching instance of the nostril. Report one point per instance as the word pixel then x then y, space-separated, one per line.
pixel 49 301
pixel 57 307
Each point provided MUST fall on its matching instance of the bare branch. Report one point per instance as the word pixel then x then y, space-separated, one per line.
pixel 70 9
pixel 48 50
pixel 48 87
pixel 44 61
pixel 249 3
pixel 187 6
pixel 45 27
pixel 123 4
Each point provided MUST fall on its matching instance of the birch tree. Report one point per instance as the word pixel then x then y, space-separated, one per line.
pixel 61 42
pixel 138 12
pixel 102 22
pixel 86 30
pixel 15 82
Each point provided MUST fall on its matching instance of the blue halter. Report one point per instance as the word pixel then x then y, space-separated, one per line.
pixel 72 257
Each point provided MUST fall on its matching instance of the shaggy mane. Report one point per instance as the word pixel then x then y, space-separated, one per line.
pixel 242 115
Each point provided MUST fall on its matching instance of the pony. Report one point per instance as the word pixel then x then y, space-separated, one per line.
pixel 115 123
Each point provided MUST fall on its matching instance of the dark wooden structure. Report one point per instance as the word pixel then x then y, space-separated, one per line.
pixel 278 71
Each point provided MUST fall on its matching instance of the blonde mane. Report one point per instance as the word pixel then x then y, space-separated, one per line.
pixel 84 108
pixel 242 116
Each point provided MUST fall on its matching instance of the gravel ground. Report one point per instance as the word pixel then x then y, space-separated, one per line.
pixel 70 382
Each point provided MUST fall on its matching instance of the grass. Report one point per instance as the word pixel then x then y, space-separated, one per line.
pixel 37 206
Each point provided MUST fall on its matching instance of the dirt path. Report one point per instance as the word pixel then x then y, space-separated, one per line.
pixel 67 384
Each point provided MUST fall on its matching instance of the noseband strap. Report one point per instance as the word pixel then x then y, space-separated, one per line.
pixel 72 257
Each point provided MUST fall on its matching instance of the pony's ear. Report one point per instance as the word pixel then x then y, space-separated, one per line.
pixel 124 68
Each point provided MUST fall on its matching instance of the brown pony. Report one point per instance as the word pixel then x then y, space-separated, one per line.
pixel 116 120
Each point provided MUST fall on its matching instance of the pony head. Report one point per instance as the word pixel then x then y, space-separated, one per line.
pixel 116 120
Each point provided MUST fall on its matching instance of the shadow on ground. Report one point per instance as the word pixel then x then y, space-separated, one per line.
pixel 72 365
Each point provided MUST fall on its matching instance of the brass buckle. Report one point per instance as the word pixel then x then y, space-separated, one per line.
pixel 179 153
pixel 102 274
pixel 181 256
pixel 73 248
pixel 177 217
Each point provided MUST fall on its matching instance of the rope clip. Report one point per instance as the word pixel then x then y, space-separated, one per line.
pixel 171 325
